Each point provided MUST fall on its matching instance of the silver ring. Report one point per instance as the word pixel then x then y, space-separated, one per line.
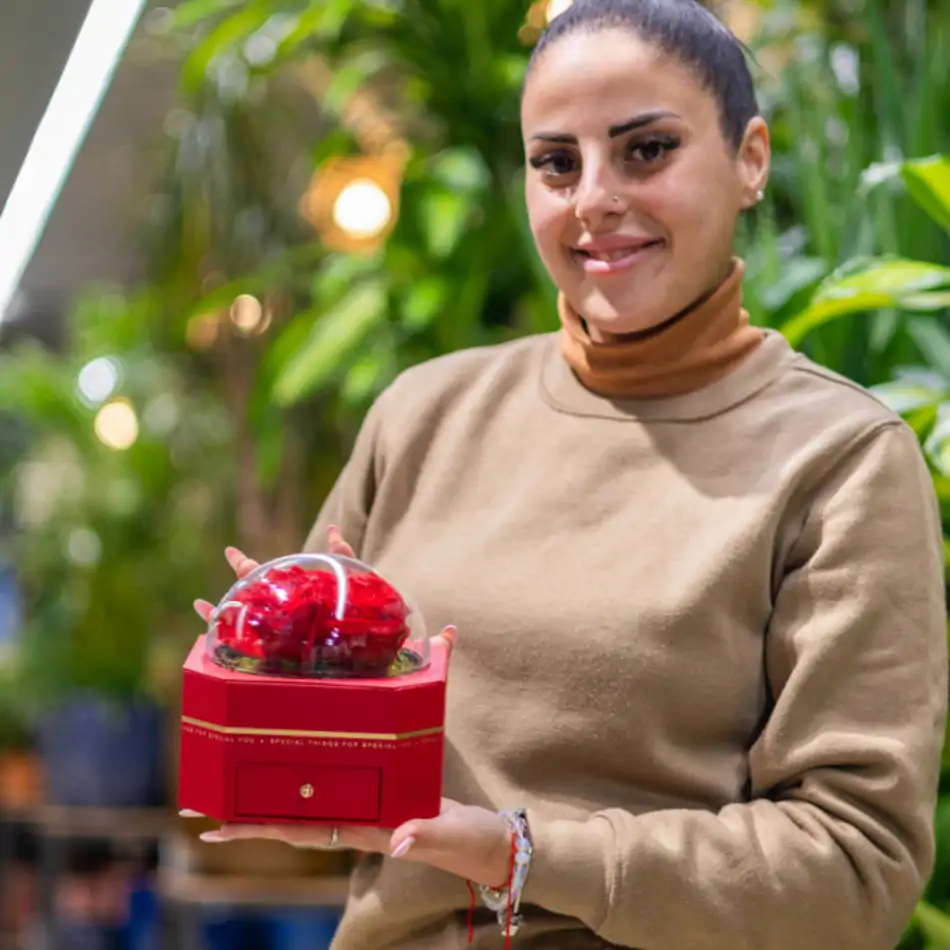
pixel 334 838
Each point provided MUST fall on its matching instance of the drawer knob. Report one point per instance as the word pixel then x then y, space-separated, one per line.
pixel 306 791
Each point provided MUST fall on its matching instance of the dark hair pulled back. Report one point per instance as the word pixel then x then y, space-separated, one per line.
pixel 680 28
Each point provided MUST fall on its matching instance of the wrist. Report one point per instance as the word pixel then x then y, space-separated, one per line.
pixel 500 876
pixel 506 900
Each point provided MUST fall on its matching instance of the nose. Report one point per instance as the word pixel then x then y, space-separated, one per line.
pixel 598 193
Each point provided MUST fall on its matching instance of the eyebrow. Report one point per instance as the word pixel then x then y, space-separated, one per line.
pixel 637 122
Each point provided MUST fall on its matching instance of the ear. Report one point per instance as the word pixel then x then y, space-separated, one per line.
pixel 754 159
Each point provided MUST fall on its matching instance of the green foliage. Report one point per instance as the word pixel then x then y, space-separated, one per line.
pixel 459 269
pixel 109 540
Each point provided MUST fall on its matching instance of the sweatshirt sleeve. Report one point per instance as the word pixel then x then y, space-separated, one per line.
pixel 834 846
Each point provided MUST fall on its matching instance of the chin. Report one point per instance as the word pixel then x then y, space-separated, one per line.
pixel 617 316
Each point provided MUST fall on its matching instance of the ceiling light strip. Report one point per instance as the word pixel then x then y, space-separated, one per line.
pixel 72 107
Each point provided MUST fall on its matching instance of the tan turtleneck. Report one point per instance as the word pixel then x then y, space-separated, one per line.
pixel 695 349
pixel 702 640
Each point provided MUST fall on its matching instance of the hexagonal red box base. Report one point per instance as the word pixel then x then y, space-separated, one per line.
pixel 262 749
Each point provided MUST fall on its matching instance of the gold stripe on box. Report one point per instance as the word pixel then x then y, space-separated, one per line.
pixel 311 734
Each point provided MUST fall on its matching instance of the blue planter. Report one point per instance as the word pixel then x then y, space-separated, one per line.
pixel 107 755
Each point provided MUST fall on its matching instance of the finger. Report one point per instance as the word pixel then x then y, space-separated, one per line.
pixel 204 609
pixel 337 544
pixel 403 848
pixel 413 836
pixel 367 839
pixel 240 562
pixel 244 833
pixel 448 637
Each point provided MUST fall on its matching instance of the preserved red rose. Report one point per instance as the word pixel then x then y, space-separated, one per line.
pixel 317 615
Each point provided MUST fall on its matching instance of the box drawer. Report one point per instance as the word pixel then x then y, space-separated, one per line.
pixel 273 790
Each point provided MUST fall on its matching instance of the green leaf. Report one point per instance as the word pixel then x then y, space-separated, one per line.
pixel 444 216
pixel 922 421
pixel 869 285
pixel 934 923
pixel 367 377
pixel 321 21
pixel 933 341
pixel 937 445
pixel 192 12
pixel 797 274
pixel 335 339
pixel 423 302
pixel 340 272
pixel 461 169
pixel 939 883
pixel 904 397
pixel 350 77
pixel 893 275
pixel 222 39
pixel 928 181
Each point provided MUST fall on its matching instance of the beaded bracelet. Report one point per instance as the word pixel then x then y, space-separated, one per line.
pixel 506 901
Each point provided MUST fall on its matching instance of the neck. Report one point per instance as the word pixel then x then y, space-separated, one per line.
pixel 685 353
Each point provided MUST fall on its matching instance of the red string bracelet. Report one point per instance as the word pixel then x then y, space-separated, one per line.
pixel 505 886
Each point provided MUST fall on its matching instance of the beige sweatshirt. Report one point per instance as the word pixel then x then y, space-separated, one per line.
pixel 702 639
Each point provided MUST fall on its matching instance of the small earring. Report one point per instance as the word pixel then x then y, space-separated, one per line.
pixel 759 195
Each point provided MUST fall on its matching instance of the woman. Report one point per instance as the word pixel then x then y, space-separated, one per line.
pixel 698 579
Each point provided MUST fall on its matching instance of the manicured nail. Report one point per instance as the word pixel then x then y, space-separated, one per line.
pixel 213 837
pixel 404 848
pixel 188 813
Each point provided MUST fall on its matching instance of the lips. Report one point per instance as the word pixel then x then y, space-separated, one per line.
pixel 610 256
pixel 608 249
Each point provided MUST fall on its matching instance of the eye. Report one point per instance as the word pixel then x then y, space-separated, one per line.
pixel 652 150
pixel 554 164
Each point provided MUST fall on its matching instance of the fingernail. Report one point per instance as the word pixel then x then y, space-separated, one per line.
pixel 212 837
pixel 404 848
pixel 230 553
pixel 188 813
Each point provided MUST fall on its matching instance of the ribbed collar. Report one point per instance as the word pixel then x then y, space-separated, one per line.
pixel 564 392
pixel 692 350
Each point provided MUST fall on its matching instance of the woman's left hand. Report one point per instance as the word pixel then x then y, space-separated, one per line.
pixel 473 843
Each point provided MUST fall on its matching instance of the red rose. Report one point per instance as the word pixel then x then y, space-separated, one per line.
pixel 288 620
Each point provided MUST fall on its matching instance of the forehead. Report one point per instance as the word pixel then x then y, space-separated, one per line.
pixel 595 79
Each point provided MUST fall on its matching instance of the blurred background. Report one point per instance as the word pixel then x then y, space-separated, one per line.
pixel 268 209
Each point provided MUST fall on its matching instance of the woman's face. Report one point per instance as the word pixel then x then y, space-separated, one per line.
pixel 632 191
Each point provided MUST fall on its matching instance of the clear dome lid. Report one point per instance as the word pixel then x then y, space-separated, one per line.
pixel 317 615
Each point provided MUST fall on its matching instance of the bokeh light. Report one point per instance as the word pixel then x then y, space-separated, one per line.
pixel 362 209
pixel 97 380
pixel 247 314
pixel 117 425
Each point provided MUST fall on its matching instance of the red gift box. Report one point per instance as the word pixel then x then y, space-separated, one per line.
pixel 324 748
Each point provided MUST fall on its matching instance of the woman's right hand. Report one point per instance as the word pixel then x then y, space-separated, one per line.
pixel 243 565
